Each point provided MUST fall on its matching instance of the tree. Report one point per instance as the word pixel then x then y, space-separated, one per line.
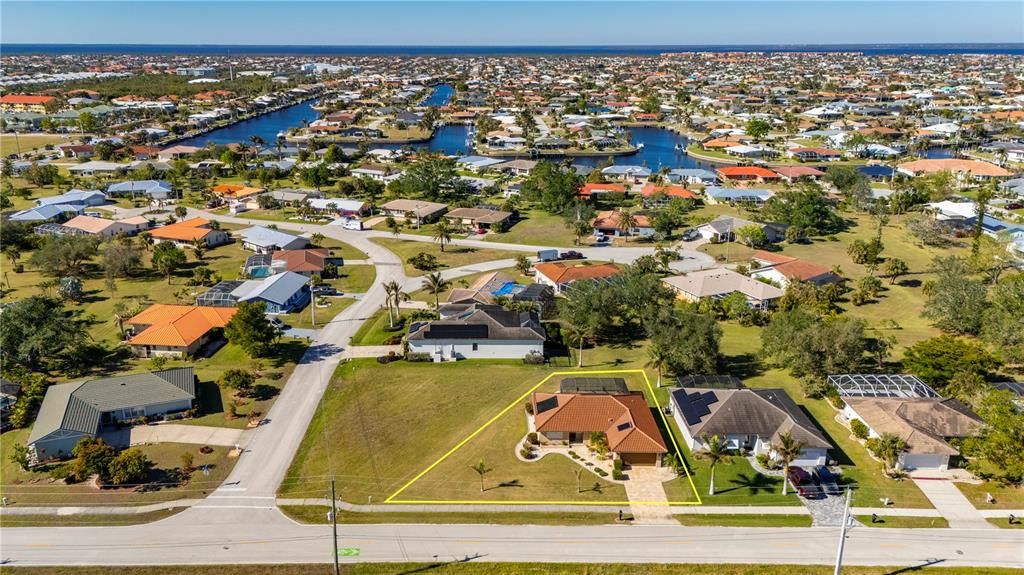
pixel 435 284
pixel 691 340
pixel 13 253
pixel 554 188
pixel 888 447
pixel 578 335
pixel 894 268
pixel 40 334
pixel 481 469
pixel 199 248
pixel 627 222
pixel 180 212
pixel 1003 319
pixel 317 239
pixel 92 457
pixel 432 177
pixel 129 466
pixel 937 360
pixel 442 232
pixel 239 380
pixel 657 359
pixel 805 207
pixel 523 264
pixel 86 122
pixel 71 288
pixel 65 255
pixel 316 176
pixel 757 128
pixel 787 450
pixel 20 456
pixel 167 259
pixel 956 301
pixel 392 294
pixel 714 452
pixel 752 235
pixel 579 228
pixel 865 252
pixel 250 329
pixel 998 445
pixel 809 345
pixel 120 260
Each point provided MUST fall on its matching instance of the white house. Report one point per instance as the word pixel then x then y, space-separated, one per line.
pixel 267 241
pixel 479 332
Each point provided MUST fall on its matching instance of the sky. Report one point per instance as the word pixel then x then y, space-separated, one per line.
pixel 498 23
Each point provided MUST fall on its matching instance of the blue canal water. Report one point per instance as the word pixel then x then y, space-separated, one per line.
pixel 440 96
pixel 266 126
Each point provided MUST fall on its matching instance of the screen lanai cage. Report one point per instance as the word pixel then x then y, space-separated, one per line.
pixel 880 385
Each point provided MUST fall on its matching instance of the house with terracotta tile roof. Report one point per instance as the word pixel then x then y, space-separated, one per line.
pixel 964 170
pixel 747 174
pixel 795 173
pixel 235 191
pixel 624 418
pixel 185 232
pixel 176 330
pixel 589 190
pixel 609 223
pixel 560 275
pixel 659 195
pixel 25 103
pixel 781 270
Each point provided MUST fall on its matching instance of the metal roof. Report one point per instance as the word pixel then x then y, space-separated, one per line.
pixel 880 385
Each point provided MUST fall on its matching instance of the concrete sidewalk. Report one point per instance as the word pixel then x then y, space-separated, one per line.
pixel 952 504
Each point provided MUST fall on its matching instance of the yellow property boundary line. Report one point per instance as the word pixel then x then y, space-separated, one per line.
pixel 679 454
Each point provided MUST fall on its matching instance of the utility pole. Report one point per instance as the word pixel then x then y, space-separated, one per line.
pixel 312 309
pixel 842 533
pixel 334 529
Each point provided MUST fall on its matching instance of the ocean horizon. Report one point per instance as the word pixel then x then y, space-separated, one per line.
pixel 524 50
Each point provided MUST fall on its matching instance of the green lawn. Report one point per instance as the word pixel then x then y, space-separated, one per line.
pixel 899 522
pixel 304 319
pixel 482 568
pixel 85 520
pixel 1006 496
pixel 376 330
pixel 342 250
pixel 537 228
pixel 354 279
pixel 37 488
pixel 317 514
pixel 12 143
pixel 452 257
pixel 1004 523
pixel 398 419
pixel 744 520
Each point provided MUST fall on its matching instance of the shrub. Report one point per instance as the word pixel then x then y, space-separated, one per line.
pixel 573 454
pixel 617 474
pixel 526 452
pixel 814 387
pixel 763 460
pixel 529 407
pixel 600 472
pixel 418 357
pixel 860 430
pixel 532 438
pixel 206 450
pixel 390 357
pixel 61 472
pixel 533 358
pixel 617 465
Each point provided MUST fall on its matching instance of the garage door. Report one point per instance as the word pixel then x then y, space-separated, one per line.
pixel 640 458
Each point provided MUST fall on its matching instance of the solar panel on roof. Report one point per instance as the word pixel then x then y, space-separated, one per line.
pixel 547 404
pixel 444 331
pixel 709 397
pixel 624 426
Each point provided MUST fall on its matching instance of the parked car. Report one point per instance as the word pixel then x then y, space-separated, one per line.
pixel 804 483
pixel 690 235
pixel 827 480
pixel 325 290
pixel 1014 206
pixel 571 255
pixel 276 322
pixel 602 239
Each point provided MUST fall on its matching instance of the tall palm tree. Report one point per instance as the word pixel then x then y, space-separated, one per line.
pixel 316 239
pixel 658 357
pixel 481 470
pixel 435 284
pixel 714 452
pixel 578 334
pixel 787 450
pixel 120 313
pixel 627 222
pixel 391 289
pixel 442 233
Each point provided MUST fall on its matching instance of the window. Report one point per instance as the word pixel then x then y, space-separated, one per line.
pixel 475 347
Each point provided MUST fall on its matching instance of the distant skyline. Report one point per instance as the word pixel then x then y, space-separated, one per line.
pixel 496 23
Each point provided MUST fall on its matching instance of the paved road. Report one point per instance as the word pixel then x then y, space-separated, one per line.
pixel 213 536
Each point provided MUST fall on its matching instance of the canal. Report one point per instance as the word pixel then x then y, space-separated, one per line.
pixel 267 126
pixel 440 96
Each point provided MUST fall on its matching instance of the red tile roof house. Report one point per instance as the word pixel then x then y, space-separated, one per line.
pixel 747 174
pixel 609 222
pixel 796 173
pixel 590 190
pixel 560 275
pixel 657 196
pixel 625 419
pixel 782 270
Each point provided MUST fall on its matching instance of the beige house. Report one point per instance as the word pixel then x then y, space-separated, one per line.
pixel 719 283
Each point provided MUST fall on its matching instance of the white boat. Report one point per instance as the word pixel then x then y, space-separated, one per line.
pixel 640 146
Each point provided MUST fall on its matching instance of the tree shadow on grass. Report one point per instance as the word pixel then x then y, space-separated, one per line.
pixel 263 392
pixel 743 366
pixel 752 484
pixel 209 398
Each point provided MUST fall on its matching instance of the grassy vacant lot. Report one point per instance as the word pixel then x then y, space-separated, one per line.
pixel 452 257
pixel 896 521
pixel 537 228
pixel 745 520
pixel 304 318
pixel 397 419
pixel 460 568
pixel 164 484
pixel 317 514
pixel 20 143
pixel 8 520
pixel 354 279
pixel 376 330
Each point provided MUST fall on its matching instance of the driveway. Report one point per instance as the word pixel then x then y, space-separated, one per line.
pixel 175 433
pixel 646 493
pixel 952 504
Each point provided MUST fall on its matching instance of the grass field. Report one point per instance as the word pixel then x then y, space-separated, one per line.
pixel 537 228
pixel 85 520
pixel 899 522
pixel 304 319
pixel 1006 496
pixel 354 279
pixel 318 515
pixel 20 143
pixel 37 488
pixel 452 257
pixel 475 568
pixel 375 330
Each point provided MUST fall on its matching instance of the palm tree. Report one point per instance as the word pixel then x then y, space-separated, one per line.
pixel 714 452
pixel 578 334
pixel 442 233
pixel 786 451
pixel 13 253
pixel 391 289
pixel 316 239
pixel 481 470
pixel 435 284
pixel 627 222
pixel 120 313
pixel 658 358
pixel 199 248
